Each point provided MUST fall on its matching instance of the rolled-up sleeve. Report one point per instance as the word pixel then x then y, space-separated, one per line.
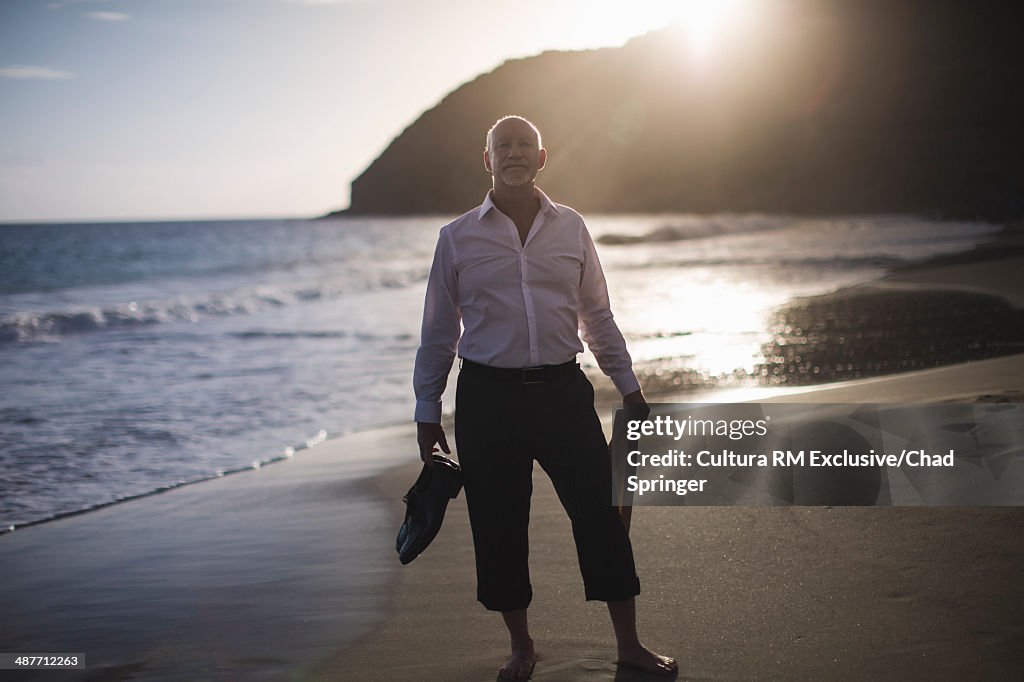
pixel 439 336
pixel 597 325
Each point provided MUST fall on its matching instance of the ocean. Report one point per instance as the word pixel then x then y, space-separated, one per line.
pixel 136 357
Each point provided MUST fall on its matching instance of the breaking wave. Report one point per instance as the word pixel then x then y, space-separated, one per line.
pixel 700 228
pixel 50 326
pixel 834 262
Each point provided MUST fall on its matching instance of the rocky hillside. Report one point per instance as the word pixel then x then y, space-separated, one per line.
pixel 831 107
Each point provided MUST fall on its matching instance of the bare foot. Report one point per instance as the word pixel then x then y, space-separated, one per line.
pixel 520 665
pixel 648 661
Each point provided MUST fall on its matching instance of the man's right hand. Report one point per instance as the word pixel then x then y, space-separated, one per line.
pixel 428 435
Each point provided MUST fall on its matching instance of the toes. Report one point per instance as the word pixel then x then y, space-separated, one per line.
pixel 516 670
pixel 668 665
pixel 653 663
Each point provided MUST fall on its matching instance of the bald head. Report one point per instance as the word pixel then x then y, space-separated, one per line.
pixel 489 142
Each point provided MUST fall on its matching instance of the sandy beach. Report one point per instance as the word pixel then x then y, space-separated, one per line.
pixel 735 594
pixel 240 578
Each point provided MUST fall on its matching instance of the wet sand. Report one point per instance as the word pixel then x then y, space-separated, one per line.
pixel 247 577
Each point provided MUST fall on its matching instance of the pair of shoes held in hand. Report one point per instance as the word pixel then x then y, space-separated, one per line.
pixel 426 503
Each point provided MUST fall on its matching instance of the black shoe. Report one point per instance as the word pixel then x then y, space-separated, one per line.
pixel 426 503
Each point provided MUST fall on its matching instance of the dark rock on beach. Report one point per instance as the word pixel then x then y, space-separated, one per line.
pixel 868 331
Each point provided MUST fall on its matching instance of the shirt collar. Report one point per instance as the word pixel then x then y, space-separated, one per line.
pixel 545 203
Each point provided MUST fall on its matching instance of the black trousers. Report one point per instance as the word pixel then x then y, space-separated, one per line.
pixel 500 429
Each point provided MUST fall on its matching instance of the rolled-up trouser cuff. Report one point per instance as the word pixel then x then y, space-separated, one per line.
pixel 505 602
pixel 625 592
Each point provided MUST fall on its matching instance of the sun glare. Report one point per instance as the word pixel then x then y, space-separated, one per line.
pixel 705 21
pixel 702 23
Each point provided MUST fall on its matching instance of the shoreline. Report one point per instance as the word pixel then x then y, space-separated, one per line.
pixel 947 310
pixel 203 583
pixel 289 453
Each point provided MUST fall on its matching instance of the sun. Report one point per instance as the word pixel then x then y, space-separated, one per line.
pixel 702 26
pixel 706 22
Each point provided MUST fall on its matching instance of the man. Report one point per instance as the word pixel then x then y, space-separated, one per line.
pixel 521 275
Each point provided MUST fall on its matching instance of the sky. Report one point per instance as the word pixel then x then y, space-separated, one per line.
pixel 183 109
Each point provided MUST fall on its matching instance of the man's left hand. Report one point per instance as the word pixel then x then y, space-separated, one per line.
pixel 635 405
pixel 634 398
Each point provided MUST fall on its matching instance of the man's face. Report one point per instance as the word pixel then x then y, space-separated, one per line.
pixel 514 157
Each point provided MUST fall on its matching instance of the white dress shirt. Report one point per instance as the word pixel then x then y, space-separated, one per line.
pixel 521 305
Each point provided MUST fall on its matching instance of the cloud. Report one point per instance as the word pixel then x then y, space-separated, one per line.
pixel 34 72
pixel 107 16
pixel 65 3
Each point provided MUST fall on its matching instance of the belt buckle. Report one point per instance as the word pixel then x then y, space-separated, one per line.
pixel 537 377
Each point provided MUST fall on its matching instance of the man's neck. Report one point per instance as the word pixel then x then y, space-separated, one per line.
pixel 516 200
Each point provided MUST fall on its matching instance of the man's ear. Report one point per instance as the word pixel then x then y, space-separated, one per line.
pixel 487 160
pixel 542 158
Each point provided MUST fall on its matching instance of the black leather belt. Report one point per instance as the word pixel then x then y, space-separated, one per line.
pixel 528 375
